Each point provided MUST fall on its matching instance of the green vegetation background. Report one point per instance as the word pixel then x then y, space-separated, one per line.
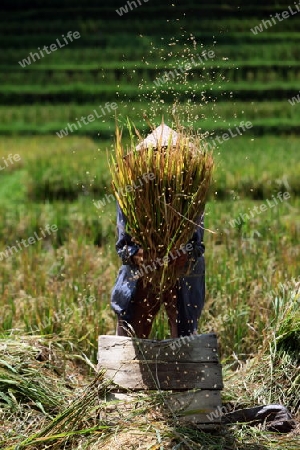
pixel 252 274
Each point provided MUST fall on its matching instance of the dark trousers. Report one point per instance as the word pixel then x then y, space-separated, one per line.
pixel 183 303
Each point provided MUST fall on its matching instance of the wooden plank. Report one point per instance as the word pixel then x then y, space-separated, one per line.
pixel 194 348
pixel 165 376
pixel 195 406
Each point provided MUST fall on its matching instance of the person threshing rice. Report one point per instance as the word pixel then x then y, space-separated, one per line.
pixel 160 232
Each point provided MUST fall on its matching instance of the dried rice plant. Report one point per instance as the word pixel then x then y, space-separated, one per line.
pixel 162 188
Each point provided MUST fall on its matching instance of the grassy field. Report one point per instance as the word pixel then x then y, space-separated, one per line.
pixel 59 288
pixel 55 292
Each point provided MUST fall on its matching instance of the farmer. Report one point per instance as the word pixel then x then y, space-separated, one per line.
pixel 134 303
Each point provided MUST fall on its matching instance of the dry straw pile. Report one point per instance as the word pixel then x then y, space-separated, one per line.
pixel 163 208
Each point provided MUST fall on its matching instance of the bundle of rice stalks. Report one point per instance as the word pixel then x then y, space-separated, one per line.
pixel 161 186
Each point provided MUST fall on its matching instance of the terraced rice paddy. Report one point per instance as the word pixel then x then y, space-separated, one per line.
pixel 54 295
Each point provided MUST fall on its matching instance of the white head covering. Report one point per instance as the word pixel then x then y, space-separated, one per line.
pixel 162 136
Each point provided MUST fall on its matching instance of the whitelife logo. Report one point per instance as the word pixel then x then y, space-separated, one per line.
pixel 53 47
pixel 177 343
pixel 294 100
pixel 124 9
pixel 172 74
pixel 9 160
pixel 146 177
pixel 259 209
pixel 265 24
pixel 9 251
pixel 143 269
pixel 226 136
pixel 90 118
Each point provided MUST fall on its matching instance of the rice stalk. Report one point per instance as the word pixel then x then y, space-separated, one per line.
pixel 73 420
pixel 162 212
pixel 23 383
pixel 273 375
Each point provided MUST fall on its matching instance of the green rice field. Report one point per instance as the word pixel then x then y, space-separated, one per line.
pixel 55 294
